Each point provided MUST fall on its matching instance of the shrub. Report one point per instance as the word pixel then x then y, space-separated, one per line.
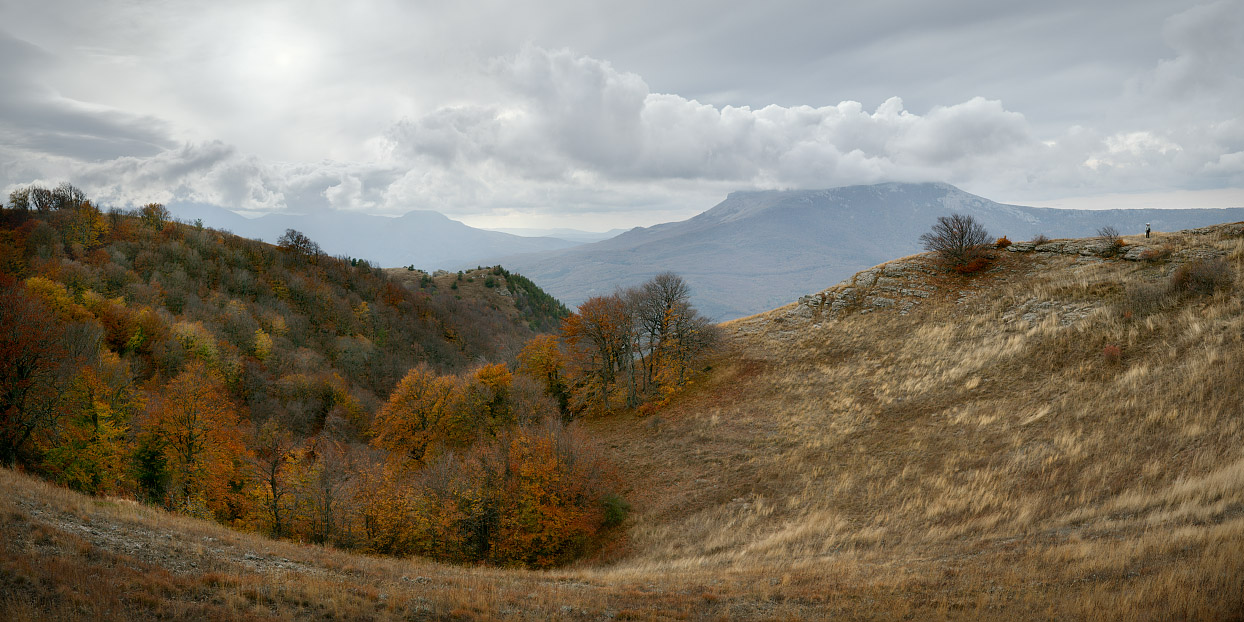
pixel 1112 354
pixel 1040 239
pixel 1110 238
pixel 1156 254
pixel 1201 277
pixel 959 240
pixel 976 264
pixel 616 509
pixel 1002 243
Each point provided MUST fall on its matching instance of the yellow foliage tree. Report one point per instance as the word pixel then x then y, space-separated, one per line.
pixel 492 385
pixel 263 345
pixel 389 523
pixel 89 449
pixel 56 296
pixel 86 225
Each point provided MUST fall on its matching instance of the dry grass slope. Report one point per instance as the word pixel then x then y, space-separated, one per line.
pixel 981 454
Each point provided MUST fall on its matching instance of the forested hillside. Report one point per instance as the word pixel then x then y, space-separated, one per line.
pixel 254 384
pixel 280 390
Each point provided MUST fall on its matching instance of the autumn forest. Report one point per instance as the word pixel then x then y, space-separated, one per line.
pixel 279 390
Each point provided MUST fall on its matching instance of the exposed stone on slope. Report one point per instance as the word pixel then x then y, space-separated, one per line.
pixel 1135 249
pixel 900 284
pixel 903 284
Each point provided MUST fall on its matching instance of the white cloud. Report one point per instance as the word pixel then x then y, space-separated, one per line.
pixel 388 107
pixel 572 114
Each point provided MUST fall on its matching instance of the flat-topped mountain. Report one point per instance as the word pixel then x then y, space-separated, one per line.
pixel 758 250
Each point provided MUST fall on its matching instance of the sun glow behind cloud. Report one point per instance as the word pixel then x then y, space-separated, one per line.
pixel 385 108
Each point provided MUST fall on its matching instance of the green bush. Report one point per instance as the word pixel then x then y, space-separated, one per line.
pixel 616 510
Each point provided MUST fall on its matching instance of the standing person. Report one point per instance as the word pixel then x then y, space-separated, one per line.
pixel 1146 231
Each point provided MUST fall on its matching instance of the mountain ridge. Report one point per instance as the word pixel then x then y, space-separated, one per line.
pixel 426 239
pixel 785 239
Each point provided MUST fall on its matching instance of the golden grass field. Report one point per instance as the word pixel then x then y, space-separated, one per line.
pixel 983 456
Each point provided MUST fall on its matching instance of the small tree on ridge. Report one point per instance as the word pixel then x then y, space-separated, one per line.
pixel 958 239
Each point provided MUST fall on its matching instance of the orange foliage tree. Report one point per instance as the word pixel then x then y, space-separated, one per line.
pixel 408 424
pixel 197 429
pixel 542 359
pixel 644 340
pixel 553 491
pixel 598 339
pixel 386 507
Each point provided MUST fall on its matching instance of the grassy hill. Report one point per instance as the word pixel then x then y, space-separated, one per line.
pixel 1060 436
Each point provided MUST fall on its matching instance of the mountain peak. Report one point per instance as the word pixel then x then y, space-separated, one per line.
pixel 760 249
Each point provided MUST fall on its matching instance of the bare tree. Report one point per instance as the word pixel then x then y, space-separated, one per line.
pixel 957 239
pixel 1112 240
pixel 658 306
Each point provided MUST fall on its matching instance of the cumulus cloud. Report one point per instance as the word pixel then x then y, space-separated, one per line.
pixel 572 114
pixel 217 174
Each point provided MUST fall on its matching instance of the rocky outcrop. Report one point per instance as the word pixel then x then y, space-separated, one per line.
pixel 899 284
pixel 903 284
pixel 1142 249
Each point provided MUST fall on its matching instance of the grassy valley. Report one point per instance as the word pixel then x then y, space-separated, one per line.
pixel 1056 436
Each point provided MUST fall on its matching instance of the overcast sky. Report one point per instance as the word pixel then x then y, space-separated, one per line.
pixel 601 114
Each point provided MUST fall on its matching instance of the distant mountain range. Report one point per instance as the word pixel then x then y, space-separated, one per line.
pixel 750 253
pixel 426 239
pixel 760 250
pixel 571 235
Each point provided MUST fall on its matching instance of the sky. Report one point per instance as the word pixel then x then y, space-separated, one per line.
pixel 597 114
